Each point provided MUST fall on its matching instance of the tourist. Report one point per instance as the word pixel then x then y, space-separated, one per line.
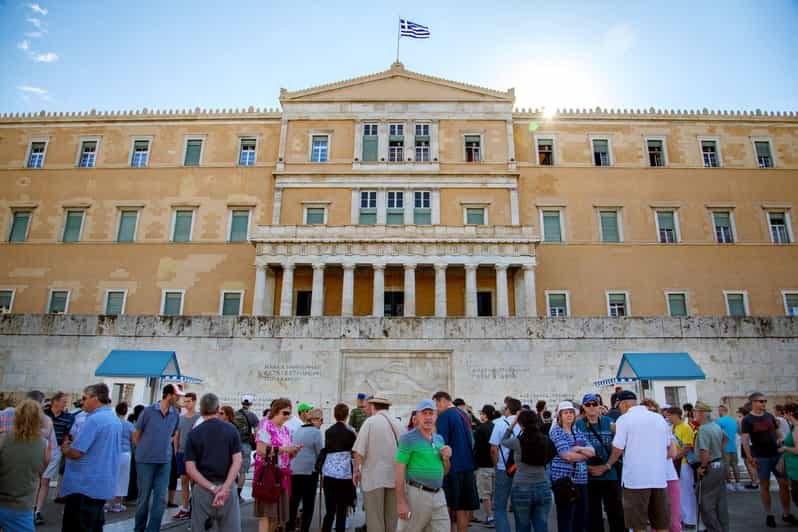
pixel 531 492
pixel 125 457
pixel 92 463
pixel 709 444
pixel 227 414
pixel 273 438
pixel 339 490
pixel 412 422
pixel 604 485
pixel 213 460
pixel 760 433
pixel 784 426
pixel 545 426
pixel 184 426
pixel 614 412
pixel 500 454
pixel 62 421
pixel 358 415
pixel 246 423
pixel 643 438
pixel 459 484
pixel 375 465
pixel 24 454
pixel 304 478
pixel 422 460
pixel 790 449
pixel 729 426
pixel 464 408
pixel 684 435
pixel 486 473
pixel 153 439
pixel 753 484
pixel 672 478
pixel 570 462
pixel 296 421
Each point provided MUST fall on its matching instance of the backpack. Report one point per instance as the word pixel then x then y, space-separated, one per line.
pixel 244 428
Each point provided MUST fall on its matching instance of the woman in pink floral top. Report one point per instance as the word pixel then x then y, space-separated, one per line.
pixel 272 433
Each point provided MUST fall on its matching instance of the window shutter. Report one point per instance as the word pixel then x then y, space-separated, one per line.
pixel 171 306
pixel 5 300
pixel 600 146
pixel 617 299
pixel 722 219
pixel 708 145
pixel 472 139
pixel 113 306
pixel 72 227
pixel 193 149
pixel 609 227
pixel 183 226
pixel 141 145
pixel 58 302
pixel 238 226
pixel 666 220
pixel 557 301
pixel 370 147
pixel 736 304
pixel 475 216
pixel 422 216
pixel 792 304
pixel 231 304
pixel 19 228
pixel 315 216
pixel 655 144
pixel 677 305
pixel 368 216
pixel 127 227
pixel 551 227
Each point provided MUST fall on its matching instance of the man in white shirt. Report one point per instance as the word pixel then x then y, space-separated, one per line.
pixel 642 437
pixel 503 483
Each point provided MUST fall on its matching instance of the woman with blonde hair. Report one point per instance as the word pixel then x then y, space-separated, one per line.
pixel 24 454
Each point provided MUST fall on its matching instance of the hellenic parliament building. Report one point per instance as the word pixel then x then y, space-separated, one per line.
pixel 399 233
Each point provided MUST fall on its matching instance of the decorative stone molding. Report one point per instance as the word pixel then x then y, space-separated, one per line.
pixel 144 114
pixel 652 113
pixel 504 234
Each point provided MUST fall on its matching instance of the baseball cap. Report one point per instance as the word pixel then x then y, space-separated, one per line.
pixel 247 399
pixel 701 406
pixel 625 395
pixel 302 407
pixel 315 413
pixel 425 404
pixel 361 396
pixel 176 389
pixel 590 397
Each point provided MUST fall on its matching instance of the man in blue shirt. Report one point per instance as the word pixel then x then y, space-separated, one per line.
pixel 92 463
pixel 730 428
pixel 153 439
pixel 459 484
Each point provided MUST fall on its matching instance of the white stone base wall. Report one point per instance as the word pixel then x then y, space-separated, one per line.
pixel 326 360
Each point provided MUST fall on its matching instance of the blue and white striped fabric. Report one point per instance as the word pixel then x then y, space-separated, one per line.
pixel 411 29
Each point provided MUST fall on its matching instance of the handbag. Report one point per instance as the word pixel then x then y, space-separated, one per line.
pixel 510 466
pixel 564 490
pixel 266 482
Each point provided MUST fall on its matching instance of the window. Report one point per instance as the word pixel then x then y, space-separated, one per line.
pixel 779 230
pixel 609 226
pixel 368 207
pixel 6 301
pixel 475 216
pixel 723 227
pixel 666 227
pixel 370 142
pixel 19 226
pixel 709 150
pixel 193 152
pixel 303 302
pixel 127 226
pixel 601 152
pixel 88 154
pixel 552 228
pixel 36 155
pixel 319 148
pixel 736 303
pixel 473 148
pixel 764 158
pixel 618 307
pixel 182 225
pixel 545 152
pixel 395 207
pixel 72 226
pixel 790 303
pixel 247 155
pixel 141 153
pixel 656 152
pixel 172 303
pixel 58 302
pixel 675 395
pixel 231 303
pixel 422 212
pixel 239 225
pixel 422 130
pixel 677 304
pixel 484 304
pixel 115 302
pixel 394 304
pixel 315 215
pixel 396 142
pixel 557 304
pixel 422 143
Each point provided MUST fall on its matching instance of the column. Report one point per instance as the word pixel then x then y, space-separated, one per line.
pixel 348 292
pixel 317 296
pixel 287 291
pixel 471 290
pixel 409 205
pixel 410 290
pixel 260 287
pixel 378 300
pixel 502 306
pixel 514 213
pixel 530 299
pixel 440 290
pixel 268 296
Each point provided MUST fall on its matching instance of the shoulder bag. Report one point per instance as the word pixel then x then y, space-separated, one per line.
pixel 509 464
pixel 564 488
pixel 266 482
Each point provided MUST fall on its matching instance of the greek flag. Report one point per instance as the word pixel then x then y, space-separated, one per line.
pixel 411 29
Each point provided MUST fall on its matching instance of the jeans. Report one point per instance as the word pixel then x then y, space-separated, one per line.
pixel 531 506
pixel 573 517
pixel 607 492
pixel 82 514
pixel 13 520
pixel 502 485
pixel 152 480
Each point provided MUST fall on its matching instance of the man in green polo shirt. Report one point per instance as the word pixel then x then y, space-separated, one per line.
pixel 422 460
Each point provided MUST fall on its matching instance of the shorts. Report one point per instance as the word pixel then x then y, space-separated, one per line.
pixel 181 464
pixel 246 458
pixel 55 463
pixel 485 478
pixel 644 506
pixel 730 458
pixel 460 489
pixel 765 465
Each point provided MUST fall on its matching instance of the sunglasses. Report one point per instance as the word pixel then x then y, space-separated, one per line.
pixel 591 404
pixel 286 412
pixel 761 401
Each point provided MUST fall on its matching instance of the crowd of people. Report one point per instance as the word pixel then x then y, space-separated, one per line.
pixel 626 465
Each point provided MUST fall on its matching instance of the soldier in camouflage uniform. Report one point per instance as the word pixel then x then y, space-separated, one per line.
pixel 358 414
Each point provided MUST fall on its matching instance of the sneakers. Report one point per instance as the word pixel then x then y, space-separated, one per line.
pixel 182 515
pixel 172 505
pixel 118 508
pixel 790 519
pixel 37 518
pixel 490 523
pixel 770 521
pixel 752 486
pixel 730 486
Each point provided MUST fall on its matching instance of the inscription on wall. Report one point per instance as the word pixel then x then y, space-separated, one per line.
pixel 289 372
pixel 499 374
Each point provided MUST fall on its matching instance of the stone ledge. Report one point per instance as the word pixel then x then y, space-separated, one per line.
pixel 334 327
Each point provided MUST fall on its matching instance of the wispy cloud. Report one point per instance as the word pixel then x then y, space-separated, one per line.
pixel 49 57
pixel 23 45
pixel 35 21
pixel 27 91
pixel 38 9
pixel 34 34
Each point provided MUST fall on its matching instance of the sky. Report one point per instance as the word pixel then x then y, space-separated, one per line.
pixel 70 55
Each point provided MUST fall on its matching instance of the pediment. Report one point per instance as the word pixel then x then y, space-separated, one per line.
pixel 397 84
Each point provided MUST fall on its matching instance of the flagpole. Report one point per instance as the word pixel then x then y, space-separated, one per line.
pixel 398 36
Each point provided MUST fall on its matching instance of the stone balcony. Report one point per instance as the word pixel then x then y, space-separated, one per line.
pixel 489 234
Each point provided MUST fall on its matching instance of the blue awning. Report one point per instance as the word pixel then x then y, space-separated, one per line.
pixel 659 367
pixel 121 363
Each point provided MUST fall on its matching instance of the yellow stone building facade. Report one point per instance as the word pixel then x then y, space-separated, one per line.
pixel 397 194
